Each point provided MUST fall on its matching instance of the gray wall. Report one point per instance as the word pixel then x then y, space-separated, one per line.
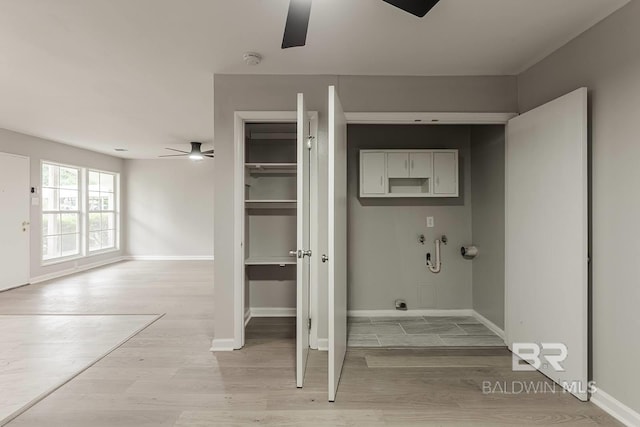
pixel 170 207
pixel 357 93
pixel 385 259
pixel 38 149
pixel 606 59
pixel 487 199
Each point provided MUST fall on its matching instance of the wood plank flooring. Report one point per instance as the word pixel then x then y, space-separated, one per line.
pixel 165 375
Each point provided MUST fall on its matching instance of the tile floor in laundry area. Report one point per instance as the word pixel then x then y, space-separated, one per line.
pixel 420 331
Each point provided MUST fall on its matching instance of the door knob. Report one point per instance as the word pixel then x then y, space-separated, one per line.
pixel 25 223
pixel 325 258
pixel 306 253
pixel 295 253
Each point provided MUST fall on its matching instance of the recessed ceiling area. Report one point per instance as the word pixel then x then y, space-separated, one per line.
pixel 106 74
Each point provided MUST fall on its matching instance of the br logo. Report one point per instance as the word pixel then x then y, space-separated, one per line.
pixel 532 353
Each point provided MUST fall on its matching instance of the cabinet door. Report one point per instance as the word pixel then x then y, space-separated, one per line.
pixel 398 165
pixel 372 173
pixel 420 165
pixel 445 172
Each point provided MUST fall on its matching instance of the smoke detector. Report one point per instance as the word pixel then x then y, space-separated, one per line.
pixel 252 58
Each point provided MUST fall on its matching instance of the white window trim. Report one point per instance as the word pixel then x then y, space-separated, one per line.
pixel 83 177
pixel 58 260
pixel 116 212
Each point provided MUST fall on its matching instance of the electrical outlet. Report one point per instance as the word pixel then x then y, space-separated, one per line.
pixel 430 222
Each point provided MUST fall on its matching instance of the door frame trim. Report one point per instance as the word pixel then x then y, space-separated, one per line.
pixel 240 119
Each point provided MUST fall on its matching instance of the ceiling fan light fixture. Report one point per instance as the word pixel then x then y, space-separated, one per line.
pixel 196 156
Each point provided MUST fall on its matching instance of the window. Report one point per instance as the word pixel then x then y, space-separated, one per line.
pixel 61 208
pixel 80 213
pixel 102 211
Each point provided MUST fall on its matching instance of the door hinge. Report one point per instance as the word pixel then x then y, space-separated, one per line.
pixel 309 323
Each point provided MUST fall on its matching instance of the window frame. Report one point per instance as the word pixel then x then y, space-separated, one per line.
pixel 83 213
pixel 80 212
pixel 116 213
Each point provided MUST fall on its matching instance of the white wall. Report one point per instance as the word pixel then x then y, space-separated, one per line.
pixel 38 149
pixel 170 208
pixel 385 259
pixel 606 59
pixel 357 93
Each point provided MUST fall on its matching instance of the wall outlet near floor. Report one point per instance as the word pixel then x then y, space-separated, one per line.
pixel 401 305
pixel 431 222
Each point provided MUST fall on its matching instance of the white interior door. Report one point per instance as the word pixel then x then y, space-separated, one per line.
pixel 337 227
pixel 14 221
pixel 547 236
pixel 303 233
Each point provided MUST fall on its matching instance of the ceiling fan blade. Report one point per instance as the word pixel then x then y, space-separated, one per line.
pixel 415 7
pixel 208 152
pixel 295 30
pixel 174 155
pixel 179 151
pixel 209 155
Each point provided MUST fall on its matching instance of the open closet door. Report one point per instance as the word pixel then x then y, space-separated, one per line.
pixel 337 227
pixel 303 243
pixel 547 240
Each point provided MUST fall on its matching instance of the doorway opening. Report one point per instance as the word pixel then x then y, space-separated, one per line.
pixel 416 195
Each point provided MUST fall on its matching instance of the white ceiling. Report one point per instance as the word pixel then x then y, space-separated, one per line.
pixel 137 74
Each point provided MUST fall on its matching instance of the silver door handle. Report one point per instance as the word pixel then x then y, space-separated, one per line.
pixel 25 223
pixel 325 258
pixel 306 253
pixel 295 253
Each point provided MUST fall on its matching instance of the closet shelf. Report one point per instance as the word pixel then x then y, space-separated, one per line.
pixel 276 168
pixel 270 260
pixel 270 204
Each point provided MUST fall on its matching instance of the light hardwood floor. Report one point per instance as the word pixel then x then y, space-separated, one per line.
pixel 165 375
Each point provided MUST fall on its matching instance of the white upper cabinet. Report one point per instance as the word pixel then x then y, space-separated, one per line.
pixel 421 165
pixel 408 173
pixel 445 173
pixel 372 172
pixel 397 165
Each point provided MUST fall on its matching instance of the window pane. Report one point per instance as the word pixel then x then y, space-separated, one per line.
pixel 49 175
pixel 68 200
pixel 49 199
pixel 94 181
pixel 106 182
pixel 94 201
pixel 107 239
pixel 50 247
pixel 95 222
pixel 108 221
pixel 107 201
pixel 68 178
pixel 70 244
pixel 95 241
pixel 50 224
pixel 69 223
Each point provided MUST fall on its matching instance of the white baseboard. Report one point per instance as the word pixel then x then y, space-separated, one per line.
pixel 615 408
pixel 272 312
pixel 323 344
pixel 489 324
pixel 73 270
pixel 170 257
pixel 400 313
pixel 222 345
